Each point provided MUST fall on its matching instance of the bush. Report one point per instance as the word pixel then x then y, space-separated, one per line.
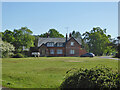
pixel 18 55
pixel 26 54
pixel 117 55
pixel 6 49
pixel 98 77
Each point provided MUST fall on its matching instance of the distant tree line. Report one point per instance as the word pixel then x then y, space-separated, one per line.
pixel 95 41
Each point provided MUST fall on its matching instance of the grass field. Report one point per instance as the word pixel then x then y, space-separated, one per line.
pixel 45 72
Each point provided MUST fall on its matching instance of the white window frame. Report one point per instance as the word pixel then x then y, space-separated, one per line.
pixel 51 51
pixel 72 43
pixel 59 44
pixel 72 51
pixel 59 51
pixel 50 44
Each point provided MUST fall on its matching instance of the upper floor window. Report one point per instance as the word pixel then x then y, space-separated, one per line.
pixel 50 44
pixel 51 51
pixel 72 51
pixel 72 43
pixel 59 44
pixel 59 51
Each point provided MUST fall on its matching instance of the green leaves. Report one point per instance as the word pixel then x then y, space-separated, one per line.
pixel 98 77
pixel 6 48
pixel 97 41
pixel 53 33
pixel 19 38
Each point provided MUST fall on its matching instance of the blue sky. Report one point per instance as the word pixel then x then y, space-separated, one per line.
pixel 78 16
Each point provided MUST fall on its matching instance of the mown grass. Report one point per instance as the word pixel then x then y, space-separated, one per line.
pixel 45 72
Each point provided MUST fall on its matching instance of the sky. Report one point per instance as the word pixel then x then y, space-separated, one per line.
pixel 62 16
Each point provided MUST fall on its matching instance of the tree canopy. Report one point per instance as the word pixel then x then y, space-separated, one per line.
pixel 97 41
pixel 76 34
pixel 19 38
pixel 53 33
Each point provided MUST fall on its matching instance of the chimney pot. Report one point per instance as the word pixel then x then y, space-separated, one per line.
pixel 70 35
pixel 66 37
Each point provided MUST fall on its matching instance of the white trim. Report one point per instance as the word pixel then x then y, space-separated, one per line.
pixel 72 51
pixel 59 51
pixel 50 44
pixel 72 43
pixel 51 51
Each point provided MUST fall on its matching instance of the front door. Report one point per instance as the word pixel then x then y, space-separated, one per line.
pixel 43 52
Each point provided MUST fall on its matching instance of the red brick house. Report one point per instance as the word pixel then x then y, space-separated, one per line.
pixel 60 46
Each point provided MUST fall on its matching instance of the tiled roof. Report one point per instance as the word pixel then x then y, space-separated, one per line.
pixel 78 40
pixel 55 40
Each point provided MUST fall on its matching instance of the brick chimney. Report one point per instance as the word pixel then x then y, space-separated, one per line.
pixel 66 37
pixel 70 35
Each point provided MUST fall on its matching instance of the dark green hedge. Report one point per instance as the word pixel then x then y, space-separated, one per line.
pixel 18 55
pixel 99 77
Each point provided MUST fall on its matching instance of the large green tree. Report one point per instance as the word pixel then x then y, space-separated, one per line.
pixel 53 33
pixel 23 37
pixel 8 36
pixel 97 41
pixel 19 38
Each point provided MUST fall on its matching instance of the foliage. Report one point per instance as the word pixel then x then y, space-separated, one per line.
pixel 19 38
pixel 53 33
pixel 18 55
pixel 6 48
pixel 76 34
pixel 8 36
pixel 98 41
pixel 36 40
pixel 98 77
pixel 23 38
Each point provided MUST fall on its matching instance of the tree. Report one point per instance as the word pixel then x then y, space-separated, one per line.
pixel 76 34
pixel 19 38
pixel 8 36
pixel 6 48
pixel 52 33
pixel 114 45
pixel 97 41
pixel 23 37
pixel 36 40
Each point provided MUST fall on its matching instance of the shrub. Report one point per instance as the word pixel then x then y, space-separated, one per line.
pixel 117 55
pixel 18 55
pixel 6 48
pixel 98 77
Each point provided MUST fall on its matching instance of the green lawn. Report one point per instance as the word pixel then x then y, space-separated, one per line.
pixel 45 72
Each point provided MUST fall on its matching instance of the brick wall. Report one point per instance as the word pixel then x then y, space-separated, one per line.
pixel 55 51
pixel 75 47
pixel 83 51
pixel 65 50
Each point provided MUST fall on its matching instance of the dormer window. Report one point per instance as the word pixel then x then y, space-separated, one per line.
pixel 72 43
pixel 59 44
pixel 50 44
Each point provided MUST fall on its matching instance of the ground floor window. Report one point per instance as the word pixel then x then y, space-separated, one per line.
pixel 59 51
pixel 51 51
pixel 72 51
